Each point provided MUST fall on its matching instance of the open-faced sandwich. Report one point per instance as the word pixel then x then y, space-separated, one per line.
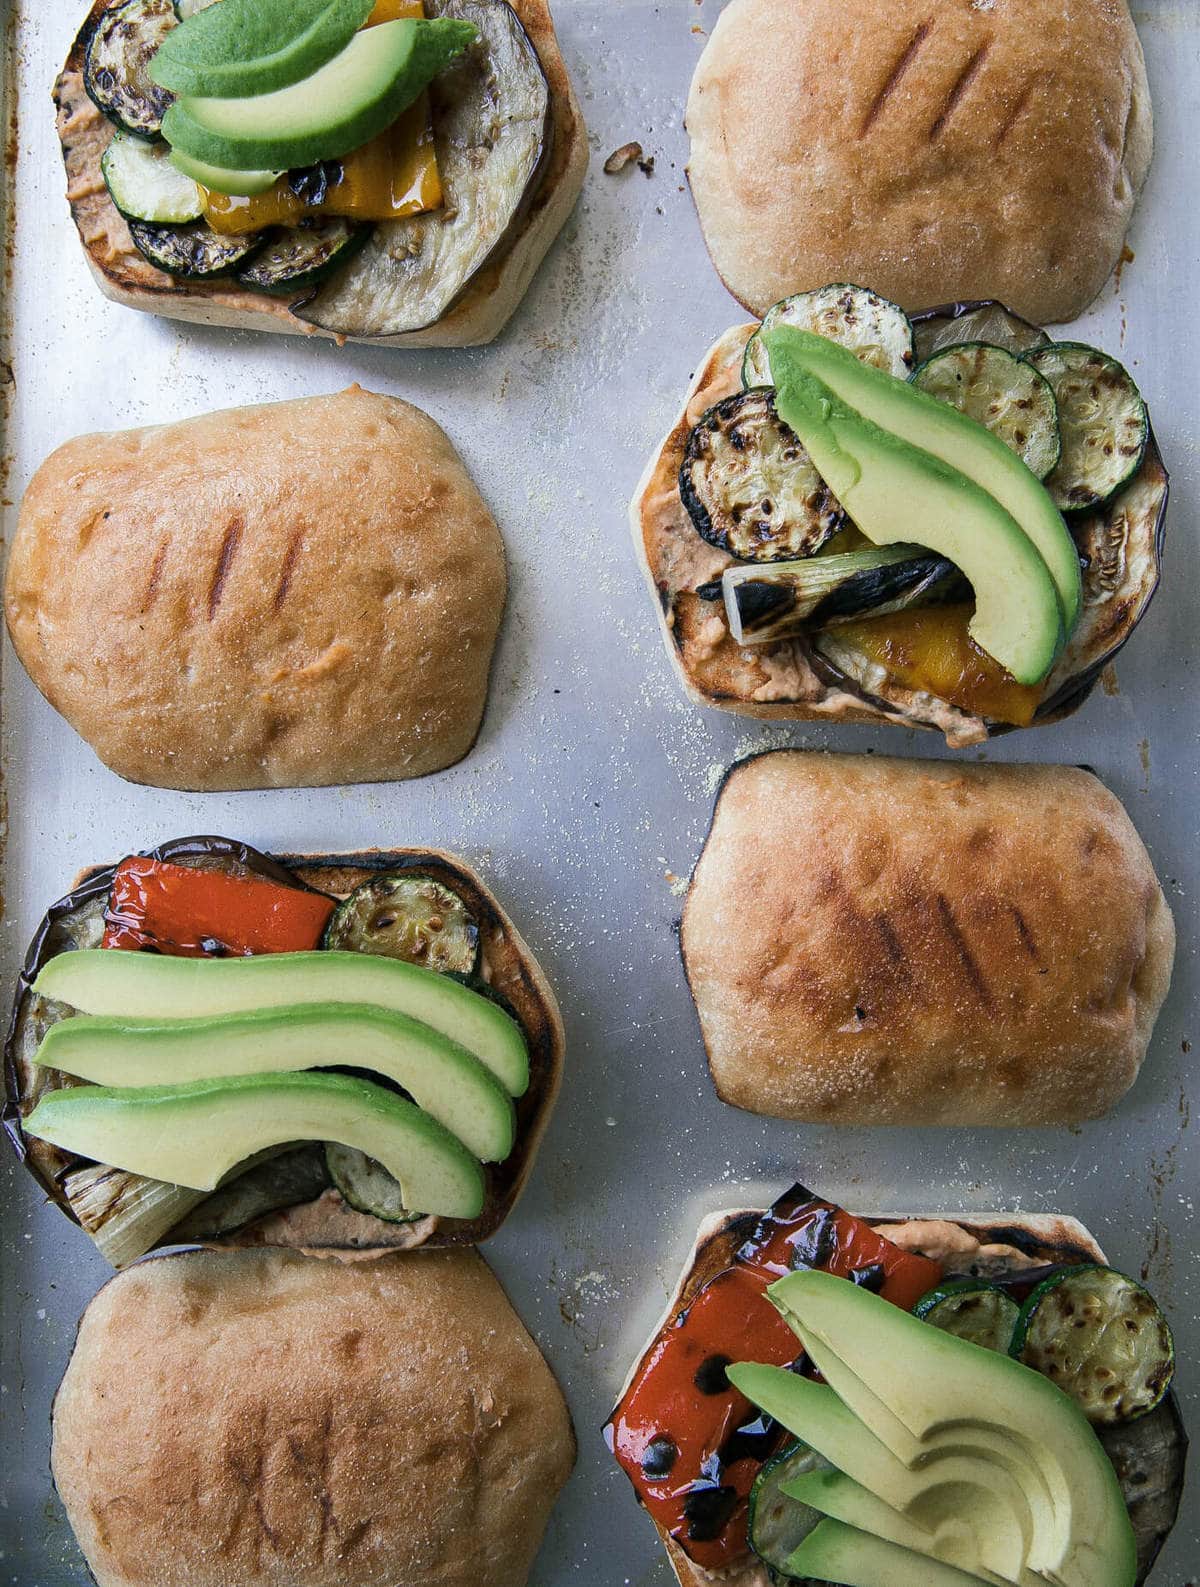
pixel 370 170
pixel 945 521
pixel 254 1419
pixel 879 941
pixel 288 595
pixel 338 1053
pixel 920 1402
pixel 968 149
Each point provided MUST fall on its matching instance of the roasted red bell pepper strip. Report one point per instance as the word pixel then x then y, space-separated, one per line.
pixel 690 1444
pixel 193 913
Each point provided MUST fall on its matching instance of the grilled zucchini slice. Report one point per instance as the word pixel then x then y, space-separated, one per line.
pixel 406 915
pixel 144 184
pixel 971 1309
pixel 1006 394
pixel 875 330
pixel 301 256
pixel 116 65
pixel 749 486
pixel 366 1185
pixel 1101 1338
pixel 194 252
pixel 1103 421
pixel 778 1525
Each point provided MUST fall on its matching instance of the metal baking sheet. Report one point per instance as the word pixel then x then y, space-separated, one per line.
pixel 588 795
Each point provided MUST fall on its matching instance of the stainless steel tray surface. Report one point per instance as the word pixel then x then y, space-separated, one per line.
pixel 587 797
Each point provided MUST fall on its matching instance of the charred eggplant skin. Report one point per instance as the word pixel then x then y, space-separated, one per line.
pixel 749 487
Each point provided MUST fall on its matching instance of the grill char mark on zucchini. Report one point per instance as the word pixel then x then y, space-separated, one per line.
pixel 194 252
pixel 1007 395
pixel 301 256
pixel 749 486
pixel 123 40
pixel 1105 429
pixel 874 329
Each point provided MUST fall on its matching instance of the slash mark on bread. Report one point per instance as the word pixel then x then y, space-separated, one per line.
pixel 225 556
pixel 156 567
pixel 290 558
pixel 905 60
pixel 962 82
pixel 1017 110
pixel 969 963
pixel 1026 936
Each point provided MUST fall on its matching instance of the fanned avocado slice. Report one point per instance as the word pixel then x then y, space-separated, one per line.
pixel 244 47
pixel 196 1134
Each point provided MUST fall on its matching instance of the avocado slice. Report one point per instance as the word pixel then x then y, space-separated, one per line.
pixel 833 1552
pixel 255 46
pixel 988 1510
pixel 896 494
pixel 956 1399
pixel 445 1079
pixel 240 184
pixel 339 107
pixel 953 438
pixel 952 1538
pixel 196 1134
pixel 156 986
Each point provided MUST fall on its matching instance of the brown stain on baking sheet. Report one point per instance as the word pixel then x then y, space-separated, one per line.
pixel 894 78
pixel 225 556
pixel 1157 1267
pixel 961 83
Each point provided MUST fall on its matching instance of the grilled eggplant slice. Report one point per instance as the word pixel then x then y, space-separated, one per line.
pixel 1103 421
pixel 123 41
pixel 875 330
pixel 285 1180
pixel 1149 1457
pixel 300 256
pixel 749 486
pixel 492 129
pixel 407 916
pixel 1007 395
pixel 979 321
pixel 767 604
pixel 194 252
pixel 145 184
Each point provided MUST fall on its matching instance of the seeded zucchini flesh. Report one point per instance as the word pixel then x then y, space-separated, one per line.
pixel 123 42
pixel 411 917
pixel 874 329
pixel 144 184
pixel 1102 419
pixel 983 1313
pixel 1101 1338
pixel 1008 396
pixel 777 1523
pixel 300 256
pixel 366 1185
pixel 749 486
pixel 193 252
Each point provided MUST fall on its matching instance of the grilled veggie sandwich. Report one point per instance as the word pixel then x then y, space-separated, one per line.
pixel 368 170
pixel 904 1402
pixel 348 1052
pixel 946 521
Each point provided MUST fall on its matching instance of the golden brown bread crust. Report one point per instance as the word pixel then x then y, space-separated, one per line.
pixel 252 1418
pixel 878 941
pixel 328 1226
pixel 1045 1238
pixel 479 314
pixel 931 152
pixel 297 594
